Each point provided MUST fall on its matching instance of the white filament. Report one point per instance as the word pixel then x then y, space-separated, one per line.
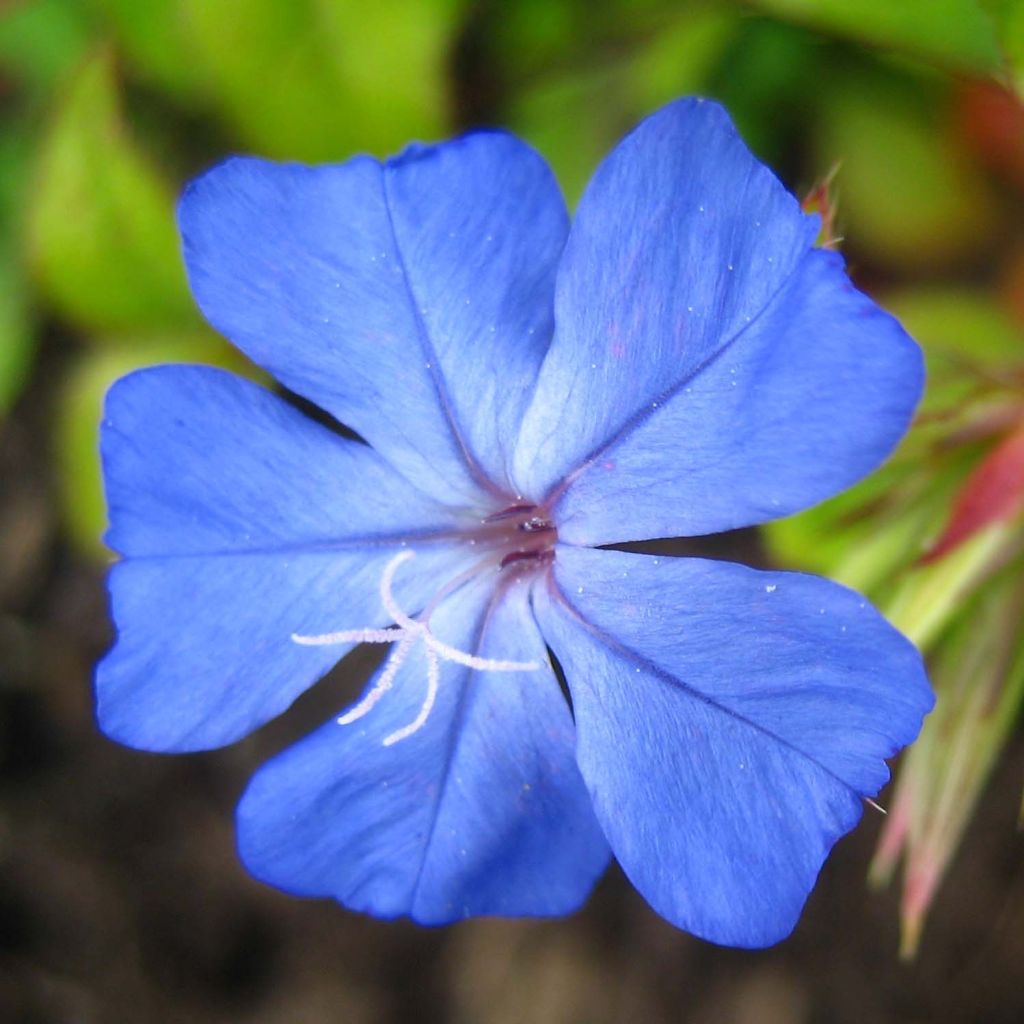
pixel 406 633
pixel 433 678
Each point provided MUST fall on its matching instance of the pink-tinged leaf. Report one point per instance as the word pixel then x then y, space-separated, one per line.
pixel 993 492
pixel 822 200
pixel 990 118
pixel 977 670
pixel 919 884
pixel 893 840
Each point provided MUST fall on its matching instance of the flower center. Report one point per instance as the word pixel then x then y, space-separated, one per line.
pixel 519 537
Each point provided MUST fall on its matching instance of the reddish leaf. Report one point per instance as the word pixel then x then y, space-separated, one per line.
pixel 991 119
pixel 993 492
pixel 821 199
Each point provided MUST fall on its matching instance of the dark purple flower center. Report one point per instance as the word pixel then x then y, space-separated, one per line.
pixel 522 535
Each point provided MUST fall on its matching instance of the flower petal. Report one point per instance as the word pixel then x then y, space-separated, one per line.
pixel 482 811
pixel 810 398
pixel 729 722
pixel 242 522
pixel 412 300
pixel 680 240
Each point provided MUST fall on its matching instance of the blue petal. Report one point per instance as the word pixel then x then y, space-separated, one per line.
pixel 410 300
pixel 729 722
pixel 242 522
pixel 482 811
pixel 644 296
pixel 811 397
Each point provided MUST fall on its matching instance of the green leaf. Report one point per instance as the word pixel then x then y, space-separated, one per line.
pixel 867 536
pixel 539 38
pixel 978 675
pixel 573 119
pixel 909 197
pixel 103 243
pixel 316 80
pixel 1008 17
pixel 575 115
pixel 971 344
pixel 679 57
pixel 155 37
pixel 16 337
pixel 762 79
pixel 956 323
pixel 40 40
pixel 932 595
pixel 955 33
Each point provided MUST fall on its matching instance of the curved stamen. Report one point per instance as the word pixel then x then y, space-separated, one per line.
pixel 433 679
pixel 407 631
pixel 450 653
pixel 346 636
pixel 387 678
pixel 387 598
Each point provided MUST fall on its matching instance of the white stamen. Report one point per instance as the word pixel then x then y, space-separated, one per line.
pixel 387 678
pixel 407 632
pixel 433 678
pixel 472 661
pixel 346 636
pixel 387 598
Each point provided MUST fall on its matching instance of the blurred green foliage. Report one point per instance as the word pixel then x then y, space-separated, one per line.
pixel 101 241
pixel 303 80
pixel 109 105
pixel 953 33
pixel 913 195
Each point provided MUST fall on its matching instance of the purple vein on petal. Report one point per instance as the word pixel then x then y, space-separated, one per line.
pixel 649 666
pixel 430 356
pixel 653 406
pixel 351 544
pixel 467 695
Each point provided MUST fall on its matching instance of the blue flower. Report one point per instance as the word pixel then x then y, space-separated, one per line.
pixel 682 360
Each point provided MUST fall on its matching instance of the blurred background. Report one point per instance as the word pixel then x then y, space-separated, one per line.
pixel 900 120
